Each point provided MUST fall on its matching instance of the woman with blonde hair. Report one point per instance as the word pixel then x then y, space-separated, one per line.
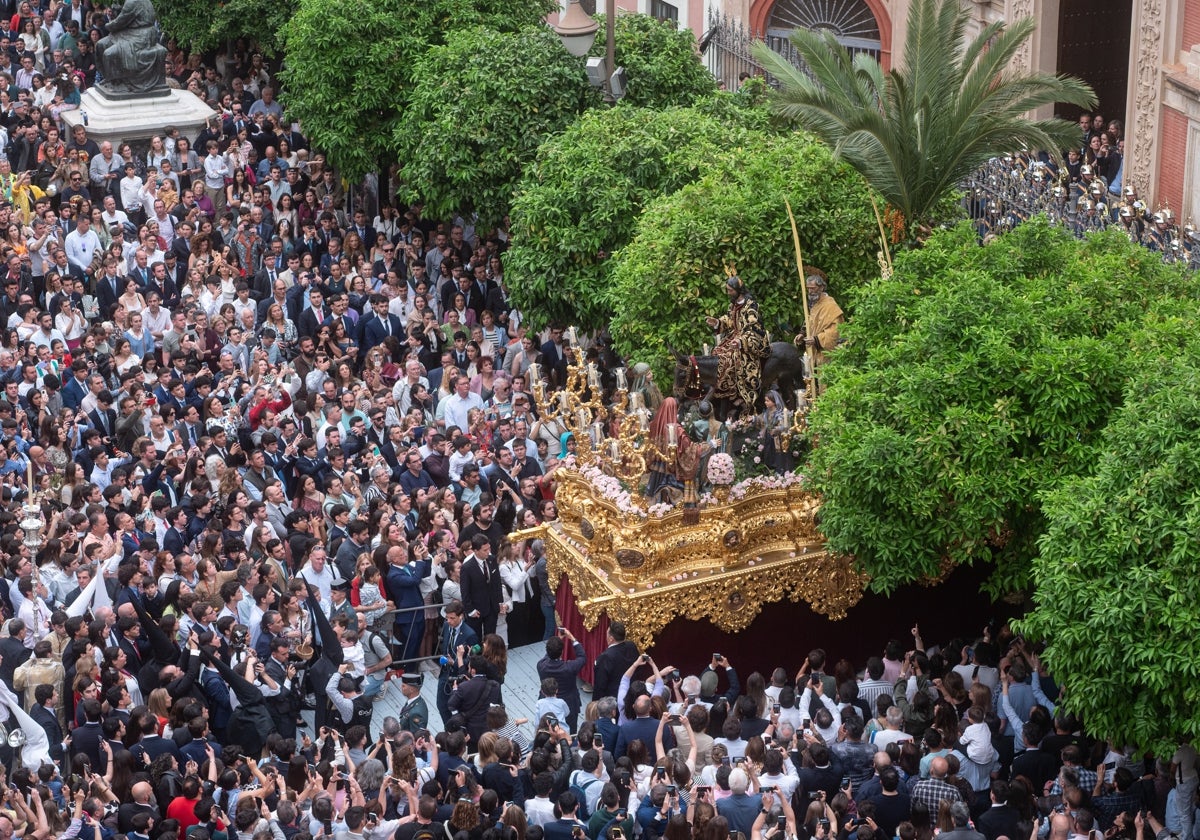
pixel 159 703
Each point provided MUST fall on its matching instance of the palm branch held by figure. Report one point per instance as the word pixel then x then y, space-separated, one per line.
pixel 916 132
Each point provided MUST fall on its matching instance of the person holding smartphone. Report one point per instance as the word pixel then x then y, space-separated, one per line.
pixel 564 672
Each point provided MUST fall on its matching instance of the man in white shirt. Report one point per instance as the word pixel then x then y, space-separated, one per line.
pixel 111 215
pixel 131 190
pixel 320 574
pixel 82 244
pixel 459 404
pixel 156 318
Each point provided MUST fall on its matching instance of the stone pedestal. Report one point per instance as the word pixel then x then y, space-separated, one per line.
pixel 135 121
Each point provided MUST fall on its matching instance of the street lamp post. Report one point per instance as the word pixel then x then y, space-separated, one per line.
pixel 577 30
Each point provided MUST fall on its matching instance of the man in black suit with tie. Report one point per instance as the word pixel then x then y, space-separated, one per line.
pixel 481 587
pixel 104 418
pixel 458 350
pixel 380 324
pixel 46 702
pixel 455 634
pixel 108 289
pixel 339 305
pixel 136 650
pixel 554 357
pixel 461 285
pixel 614 662
pixel 1000 820
pixel 312 318
pixel 365 232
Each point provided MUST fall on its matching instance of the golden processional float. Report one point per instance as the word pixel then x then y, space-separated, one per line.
pixel 719 556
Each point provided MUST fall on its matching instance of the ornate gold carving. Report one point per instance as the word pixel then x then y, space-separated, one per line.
pixel 756 550
pixel 757 544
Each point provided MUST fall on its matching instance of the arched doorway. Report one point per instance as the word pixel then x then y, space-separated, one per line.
pixel 853 22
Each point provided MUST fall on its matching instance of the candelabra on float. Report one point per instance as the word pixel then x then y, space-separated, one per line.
pixel 616 438
pixel 32 521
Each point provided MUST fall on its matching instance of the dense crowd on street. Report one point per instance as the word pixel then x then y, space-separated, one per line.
pixel 284 452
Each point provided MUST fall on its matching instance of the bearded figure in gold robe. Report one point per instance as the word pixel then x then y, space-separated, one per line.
pixel 743 346
pixel 824 320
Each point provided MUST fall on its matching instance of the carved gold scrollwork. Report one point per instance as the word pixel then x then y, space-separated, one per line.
pixel 752 551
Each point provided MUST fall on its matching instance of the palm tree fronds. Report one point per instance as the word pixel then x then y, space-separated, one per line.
pixel 915 132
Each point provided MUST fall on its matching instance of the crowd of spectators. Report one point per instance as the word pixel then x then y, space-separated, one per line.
pixel 1088 192
pixel 280 449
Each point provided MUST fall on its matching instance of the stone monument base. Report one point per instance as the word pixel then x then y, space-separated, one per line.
pixel 136 120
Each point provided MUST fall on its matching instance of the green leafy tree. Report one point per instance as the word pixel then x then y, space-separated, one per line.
pixel 511 91
pixel 202 25
pixel 662 65
pixel 351 66
pixel 1118 597
pixel 580 200
pixel 970 382
pixel 916 132
pixel 671 274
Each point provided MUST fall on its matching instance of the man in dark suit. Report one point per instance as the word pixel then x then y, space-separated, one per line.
pixel 456 633
pixel 643 728
pixel 12 650
pixel 481 587
pixel 44 713
pixel 403 584
pixel 565 672
pixel 108 289
pixel 1037 765
pixel 554 357
pixel 86 739
pixel 104 416
pixel 960 813
pixel 614 662
pixel 388 262
pixel 564 828
pixel 364 230
pixel 312 318
pixel 474 696
pixel 1001 819
pixel 379 325
pixel 75 388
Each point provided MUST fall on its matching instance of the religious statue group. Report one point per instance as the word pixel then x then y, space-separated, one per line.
pixel 746 382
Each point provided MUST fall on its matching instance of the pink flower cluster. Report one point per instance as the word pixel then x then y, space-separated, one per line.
pixel 747 486
pixel 611 489
pixel 660 509
pixel 720 469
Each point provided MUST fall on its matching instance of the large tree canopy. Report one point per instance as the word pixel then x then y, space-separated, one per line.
pixel 1117 594
pixel 579 202
pixel 351 64
pixel 671 274
pixel 201 25
pixel 917 131
pixel 971 381
pixel 662 66
pixel 510 91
